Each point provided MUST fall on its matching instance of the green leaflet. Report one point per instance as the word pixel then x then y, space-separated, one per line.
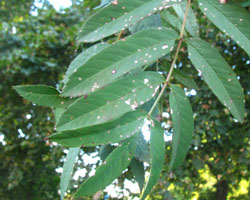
pixel 170 20
pixel 116 99
pixel 83 58
pixel 111 168
pixel 142 149
pixel 157 155
pixel 42 95
pixel 118 59
pixel 218 75
pixel 105 133
pixel 185 79
pixel 191 24
pixel 231 18
pixel 105 150
pixel 183 126
pixel 149 22
pixel 68 167
pixel 57 113
pixel 114 18
pixel 245 3
pixel 137 169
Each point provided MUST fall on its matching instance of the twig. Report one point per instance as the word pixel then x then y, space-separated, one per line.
pixel 119 35
pixel 174 61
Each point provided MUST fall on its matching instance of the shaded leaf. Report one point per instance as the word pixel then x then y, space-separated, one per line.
pixel 231 18
pixel 185 79
pixel 112 167
pixel 157 156
pixel 218 75
pixel 183 126
pixel 105 133
pixel 137 169
pixel 105 150
pixel 114 18
pixel 191 23
pixel 42 95
pixel 148 22
pixel 68 167
pixel 111 102
pixel 245 4
pixel 82 58
pixel 142 149
pixel 170 20
pixel 148 105
pixel 118 59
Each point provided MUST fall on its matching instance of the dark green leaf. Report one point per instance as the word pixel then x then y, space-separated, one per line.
pixel 105 133
pixel 118 59
pixel 231 18
pixel 137 169
pixel 245 4
pixel 147 107
pixel 218 75
pixel 114 18
pixel 43 95
pixel 183 126
pixel 157 155
pixel 142 149
pixel 105 150
pixel 111 168
pixel 185 79
pixel 68 167
pixel 111 102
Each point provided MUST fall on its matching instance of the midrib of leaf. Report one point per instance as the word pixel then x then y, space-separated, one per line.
pixel 111 103
pixel 215 75
pixel 111 67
